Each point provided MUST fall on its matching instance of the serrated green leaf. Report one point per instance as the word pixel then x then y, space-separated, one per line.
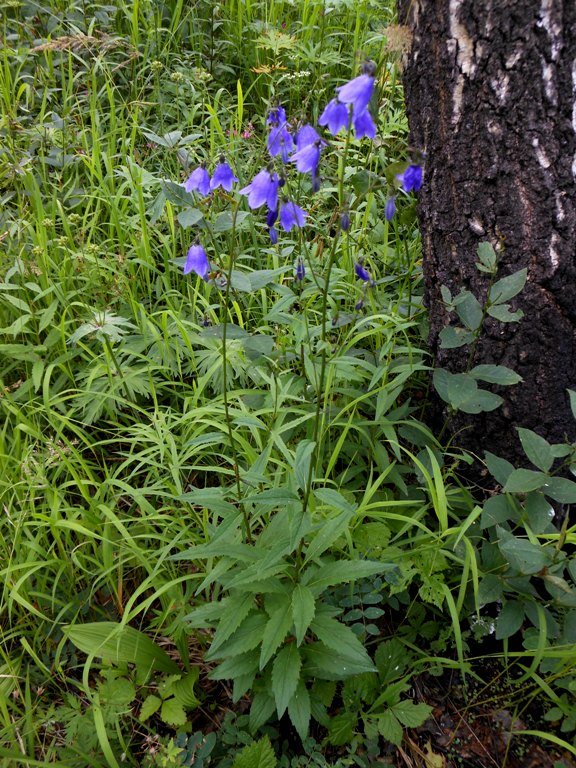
pixel 302 462
pixel 175 193
pixel 285 676
pixel 496 374
pixel 172 712
pixel 150 705
pixel 391 658
pixel 189 217
pixel 330 574
pixel 510 619
pixel 329 532
pixel 259 754
pixel 389 727
pixel 261 710
pixel 411 715
pixel 299 710
pixel 507 287
pixel 107 639
pixel 303 610
pixel 247 637
pixel 232 617
pixel 331 498
pixel 525 480
pixel 325 664
pixel 236 666
pixel 341 728
pixel 342 639
pixel 275 632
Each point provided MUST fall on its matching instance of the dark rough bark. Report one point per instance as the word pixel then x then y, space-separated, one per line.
pixel 490 90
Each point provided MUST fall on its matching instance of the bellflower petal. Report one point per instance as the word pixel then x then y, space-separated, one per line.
pixel 300 270
pixel 273 232
pixel 357 92
pixel 306 135
pixel 307 158
pixel 291 215
pixel 361 272
pixel 276 116
pixel 336 115
pixel 364 125
pixel 411 179
pixel 262 189
pixel 198 181
pixel 390 209
pixel 280 142
pixel 223 177
pixel 197 261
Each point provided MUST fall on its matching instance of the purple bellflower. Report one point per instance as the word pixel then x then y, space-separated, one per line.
pixel 223 176
pixel 336 115
pixel 291 215
pixel 300 270
pixel 361 272
pixel 307 135
pixel 390 209
pixel 307 158
pixel 364 125
pixel 345 221
pixel 262 189
pixel 198 181
pixel 273 232
pixel 197 261
pixel 280 142
pixel 357 92
pixel 411 179
pixel 276 116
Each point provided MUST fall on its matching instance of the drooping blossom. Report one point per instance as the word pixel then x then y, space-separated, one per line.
pixel 198 181
pixel 345 221
pixel 364 125
pixel 411 179
pixel 390 208
pixel 307 158
pixel 276 116
pixel 263 189
pixel 223 176
pixel 361 272
pixel 357 92
pixel 300 270
pixel 280 142
pixel 197 261
pixel 336 115
pixel 291 215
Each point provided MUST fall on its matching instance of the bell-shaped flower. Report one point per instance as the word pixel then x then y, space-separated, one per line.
pixel 223 177
pixel 262 189
pixel 364 125
pixel 411 179
pixel 390 209
pixel 276 116
pixel 300 270
pixel 361 272
pixel 280 142
pixel 307 158
pixel 198 181
pixel 357 92
pixel 273 232
pixel 307 135
pixel 197 261
pixel 336 115
pixel 291 215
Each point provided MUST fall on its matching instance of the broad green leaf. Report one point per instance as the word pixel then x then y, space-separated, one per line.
pixel 262 708
pixel 391 658
pixel 172 712
pixel 285 676
pixel 299 710
pixel 183 689
pixel 539 511
pixel 329 532
pixel 259 754
pixel 330 574
pixel 236 666
pixel 109 640
pixel 502 313
pixel 461 388
pixel 389 727
pixel 487 256
pixel 497 510
pixel 275 632
pixel 272 498
pixel 232 617
pixel 572 396
pixel 175 193
pixel 510 619
pixel 150 705
pixel 469 310
pixel 453 337
pixel 341 728
pixel 521 554
pixel 481 401
pixel 500 469
pixel 260 278
pixel 507 287
pixel 245 638
pixel 537 449
pixel 331 498
pixel 189 217
pixel 495 374
pixel 342 639
pixel 302 462
pixel 560 489
pixel 525 480
pixel 410 714
pixel 325 664
pixel 227 221
pixel 303 610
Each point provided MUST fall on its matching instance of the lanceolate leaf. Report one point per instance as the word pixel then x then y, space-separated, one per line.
pixel 285 676
pixel 275 632
pixel 303 610
pixel 299 709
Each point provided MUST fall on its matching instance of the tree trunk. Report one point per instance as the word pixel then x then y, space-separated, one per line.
pixel 490 89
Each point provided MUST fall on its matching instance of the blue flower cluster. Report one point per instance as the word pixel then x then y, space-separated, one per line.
pixel 348 110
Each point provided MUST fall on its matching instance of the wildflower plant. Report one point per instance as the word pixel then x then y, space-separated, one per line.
pixel 272 622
